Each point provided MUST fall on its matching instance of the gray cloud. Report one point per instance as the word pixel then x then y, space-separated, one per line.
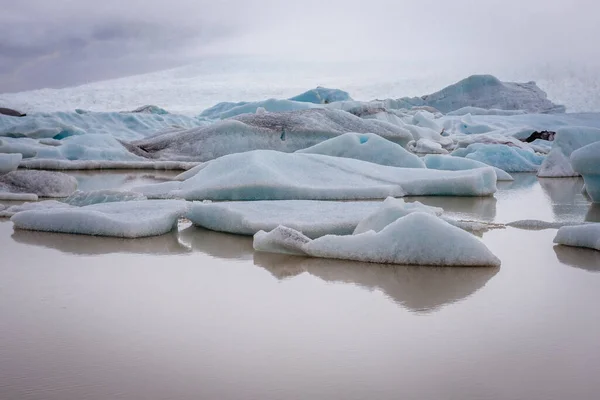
pixel 66 42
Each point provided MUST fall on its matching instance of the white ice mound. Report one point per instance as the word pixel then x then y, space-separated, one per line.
pixel 40 183
pixel 9 162
pixel 507 158
pixel 80 198
pixel 284 131
pixel 311 217
pixel 586 161
pixel 486 91
pixel 391 210
pixel 36 205
pixel 366 147
pixel 566 141
pixel 272 175
pixel 418 239
pixel 129 219
pixel 587 235
pixel 426 146
pixel 451 163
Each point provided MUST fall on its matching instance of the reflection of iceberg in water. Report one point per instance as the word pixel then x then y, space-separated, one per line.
pixel 593 213
pixel 566 198
pixel 523 181
pixel 85 245
pixel 472 208
pixel 420 289
pixel 217 244
pixel 578 257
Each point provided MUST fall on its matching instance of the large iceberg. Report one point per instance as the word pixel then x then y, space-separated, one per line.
pixel 418 239
pixel 488 92
pixel 566 141
pixel 451 163
pixel 272 175
pixel 366 147
pixel 586 161
pixel 130 219
pixel 507 158
pixel 37 183
pixel 9 162
pixel 587 235
pixel 285 131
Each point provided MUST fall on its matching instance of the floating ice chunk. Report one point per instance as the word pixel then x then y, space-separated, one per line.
pixel 311 217
pixel 271 175
pixel 284 131
pixel 451 163
pixel 40 183
pixel 579 236
pixel 426 146
pixel 36 205
pixel 483 111
pixel 507 158
pixel 9 162
pixel 586 161
pixel 366 147
pixel 80 199
pixel 390 210
pixel 418 239
pixel 130 219
pixel 566 141
pixel 537 225
pixel 321 95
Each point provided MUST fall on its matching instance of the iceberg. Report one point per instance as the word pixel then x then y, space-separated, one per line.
pixel 586 161
pixel 366 147
pixel 80 198
pixel 130 219
pixel 389 211
pixel 426 146
pixel 483 111
pixel 9 162
pixel 311 217
pixel 63 165
pixel 228 110
pixel 321 95
pixel 35 205
pixel 284 131
pixel 566 141
pixel 488 92
pixel 507 158
pixel 451 163
pixel 31 184
pixel 587 235
pixel 416 239
pixel 272 175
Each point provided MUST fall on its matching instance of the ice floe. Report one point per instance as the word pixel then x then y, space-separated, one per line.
pixel 81 198
pixel 451 163
pixel 587 235
pixel 507 158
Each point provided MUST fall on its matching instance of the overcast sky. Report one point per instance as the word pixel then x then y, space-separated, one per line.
pixel 57 43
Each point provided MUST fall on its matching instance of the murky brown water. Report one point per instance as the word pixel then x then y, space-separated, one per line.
pixel 198 315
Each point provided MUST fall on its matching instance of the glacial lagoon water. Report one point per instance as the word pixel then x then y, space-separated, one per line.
pixel 196 314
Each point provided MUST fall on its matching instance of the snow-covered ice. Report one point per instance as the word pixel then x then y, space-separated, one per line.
pixel 9 162
pixel 38 183
pixel 418 239
pixel 586 161
pixel 311 217
pixel 130 219
pixel 587 235
pixel 272 175
pixel 452 163
pixel 566 141
pixel 366 147
pixel 80 198
pixel 389 211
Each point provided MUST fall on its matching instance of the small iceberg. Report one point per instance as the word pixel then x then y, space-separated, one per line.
pixel 587 235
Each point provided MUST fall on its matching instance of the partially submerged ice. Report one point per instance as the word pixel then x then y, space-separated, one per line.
pixel 366 147
pixel 415 239
pixel 285 131
pixel 9 162
pixel 36 184
pixel 272 175
pixel 507 158
pixel 451 163
pixel 81 198
pixel 586 161
pixel 130 219
pixel 587 235
pixel 558 164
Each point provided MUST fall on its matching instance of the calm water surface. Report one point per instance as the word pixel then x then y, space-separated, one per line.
pixel 196 314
